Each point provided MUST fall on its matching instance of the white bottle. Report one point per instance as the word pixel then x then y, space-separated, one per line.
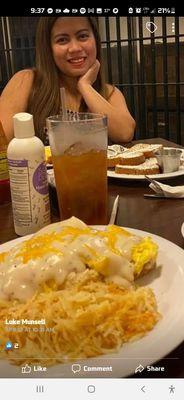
pixel 28 177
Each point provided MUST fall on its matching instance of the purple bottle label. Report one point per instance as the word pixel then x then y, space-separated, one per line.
pixel 17 163
pixel 40 179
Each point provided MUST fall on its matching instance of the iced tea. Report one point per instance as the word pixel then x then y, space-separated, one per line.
pixel 79 152
pixel 81 182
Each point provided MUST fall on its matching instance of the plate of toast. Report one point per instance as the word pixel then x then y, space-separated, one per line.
pixel 138 161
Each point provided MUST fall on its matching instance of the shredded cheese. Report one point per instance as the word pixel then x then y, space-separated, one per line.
pixel 88 316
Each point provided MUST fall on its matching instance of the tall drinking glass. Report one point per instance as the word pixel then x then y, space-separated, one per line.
pixel 79 153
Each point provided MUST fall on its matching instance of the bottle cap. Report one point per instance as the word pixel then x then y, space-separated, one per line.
pixel 23 125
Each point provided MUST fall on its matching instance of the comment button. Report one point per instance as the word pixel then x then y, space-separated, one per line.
pixel 76 368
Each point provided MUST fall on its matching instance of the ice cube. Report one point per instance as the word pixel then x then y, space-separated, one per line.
pixel 77 149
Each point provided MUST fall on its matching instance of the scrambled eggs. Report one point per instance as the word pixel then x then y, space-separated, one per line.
pixel 71 247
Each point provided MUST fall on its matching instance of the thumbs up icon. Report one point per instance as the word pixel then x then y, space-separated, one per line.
pixel 26 369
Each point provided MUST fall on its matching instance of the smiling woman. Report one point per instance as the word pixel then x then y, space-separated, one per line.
pixel 68 54
pixel 74 49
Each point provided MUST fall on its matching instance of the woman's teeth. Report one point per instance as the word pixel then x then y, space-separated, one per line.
pixel 77 60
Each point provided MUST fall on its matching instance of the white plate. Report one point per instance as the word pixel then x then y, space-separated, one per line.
pixel 182 229
pixel 166 335
pixel 112 174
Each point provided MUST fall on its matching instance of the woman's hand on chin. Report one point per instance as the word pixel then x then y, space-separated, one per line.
pixel 90 76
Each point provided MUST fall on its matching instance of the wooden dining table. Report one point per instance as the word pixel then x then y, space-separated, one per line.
pixel 162 217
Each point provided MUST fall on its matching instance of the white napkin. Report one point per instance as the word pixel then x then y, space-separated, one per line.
pixel 167 190
pixel 51 177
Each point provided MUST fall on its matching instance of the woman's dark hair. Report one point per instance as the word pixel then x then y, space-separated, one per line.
pixel 44 99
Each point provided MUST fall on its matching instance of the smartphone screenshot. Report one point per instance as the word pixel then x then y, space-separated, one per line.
pixel 91 202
